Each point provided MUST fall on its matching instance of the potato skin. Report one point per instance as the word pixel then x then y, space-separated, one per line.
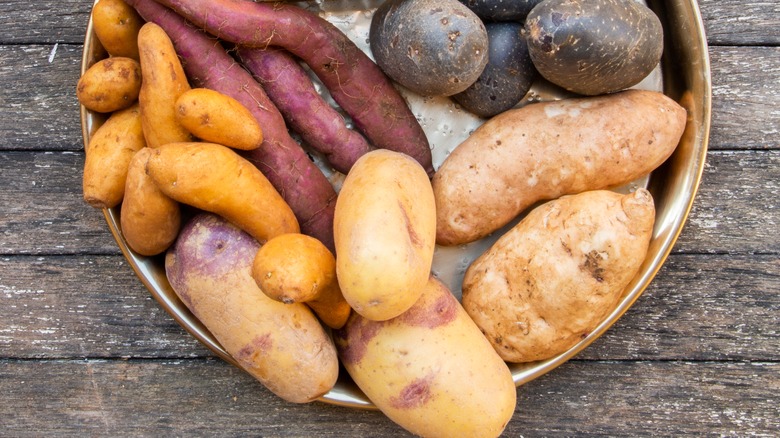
pixel 432 47
pixel 217 118
pixel 110 85
pixel 116 26
pixel 149 219
pixel 430 369
pixel 385 230
pixel 549 281
pixel 108 156
pixel 281 345
pixel 163 82
pixel 545 150
pixel 214 178
pixel 595 46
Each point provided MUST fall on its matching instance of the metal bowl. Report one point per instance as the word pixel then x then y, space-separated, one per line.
pixel 684 75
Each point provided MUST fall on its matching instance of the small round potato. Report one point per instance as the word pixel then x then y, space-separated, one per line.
pixel 116 26
pixel 110 85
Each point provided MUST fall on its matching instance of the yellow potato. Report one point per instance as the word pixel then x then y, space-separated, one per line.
pixel 549 281
pixel 110 85
pixel 281 345
pixel 116 26
pixel 218 118
pixel 545 150
pixel 295 268
pixel 384 230
pixel 430 369
pixel 163 82
pixel 108 156
pixel 149 219
pixel 215 178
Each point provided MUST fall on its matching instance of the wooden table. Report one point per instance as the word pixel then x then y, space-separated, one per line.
pixel 84 349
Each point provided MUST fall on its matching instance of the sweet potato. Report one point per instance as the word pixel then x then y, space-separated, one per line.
pixel 214 178
pixel 430 369
pixel 110 85
pixel 545 150
pixel 305 188
pixel 164 81
pixel 281 345
pixel 354 81
pixel 108 156
pixel 549 281
pixel 290 88
pixel 149 219
pixel 217 118
pixel 295 268
pixel 116 26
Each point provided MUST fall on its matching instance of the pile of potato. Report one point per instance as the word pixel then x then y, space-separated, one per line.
pixel 290 307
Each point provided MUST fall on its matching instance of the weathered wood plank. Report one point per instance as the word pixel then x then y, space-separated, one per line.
pixel 43 212
pixel 712 307
pixel 741 23
pixel 208 398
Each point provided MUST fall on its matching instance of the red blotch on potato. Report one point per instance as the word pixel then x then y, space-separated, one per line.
pixel 414 394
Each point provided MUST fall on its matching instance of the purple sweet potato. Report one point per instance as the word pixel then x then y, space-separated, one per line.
pixel 290 88
pixel 282 345
pixel 286 165
pixel 355 82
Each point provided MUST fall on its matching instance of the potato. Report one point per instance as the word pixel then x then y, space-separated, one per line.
pixel 281 345
pixel 110 85
pixel 295 268
pixel 430 369
pixel 116 26
pixel 507 77
pixel 149 219
pixel 108 156
pixel 432 47
pixel 384 228
pixel 549 281
pixel 594 46
pixel 500 10
pixel 545 150
pixel 217 118
pixel 163 82
pixel 214 178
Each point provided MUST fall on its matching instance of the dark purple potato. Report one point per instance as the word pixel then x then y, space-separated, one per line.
pixel 432 47
pixel 507 77
pixel 501 10
pixel 594 47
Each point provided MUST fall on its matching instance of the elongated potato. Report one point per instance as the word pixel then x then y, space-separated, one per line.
pixel 214 178
pixel 549 281
pixel 430 369
pixel 384 229
pixel 281 345
pixel 163 82
pixel 110 85
pixel 108 156
pixel 116 25
pixel 546 150
pixel 149 219
pixel 218 118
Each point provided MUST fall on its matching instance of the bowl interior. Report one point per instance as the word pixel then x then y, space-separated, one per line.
pixel 684 75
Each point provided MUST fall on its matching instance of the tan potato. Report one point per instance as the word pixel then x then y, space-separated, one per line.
pixel 430 369
pixel 295 268
pixel 215 178
pixel 384 229
pixel 163 82
pixel 116 26
pixel 149 219
pixel 281 345
pixel 108 156
pixel 545 150
pixel 217 118
pixel 110 85
pixel 549 281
